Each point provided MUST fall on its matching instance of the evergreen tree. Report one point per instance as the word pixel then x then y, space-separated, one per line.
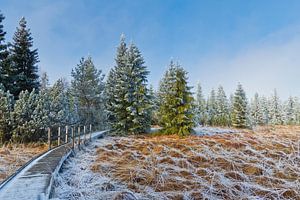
pixel 201 111
pixel 23 73
pixel 73 107
pixel 40 119
pixel 265 110
pixel 22 116
pixel 256 111
pixel 138 98
pixel 88 88
pixel 155 105
pixel 4 56
pixel 128 101
pixel 44 82
pixel 290 111
pixel 5 115
pixel 230 106
pixel 222 108
pixel 297 110
pixel 176 109
pixel 275 110
pixel 212 108
pixel 239 115
pixel 59 105
pixel 115 92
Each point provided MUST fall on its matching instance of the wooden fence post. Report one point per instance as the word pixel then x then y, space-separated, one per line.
pixel 58 136
pixel 49 138
pixel 84 132
pixel 90 132
pixel 66 138
pixel 73 138
pixel 79 137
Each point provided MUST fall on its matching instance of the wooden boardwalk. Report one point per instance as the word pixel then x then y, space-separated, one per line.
pixel 36 179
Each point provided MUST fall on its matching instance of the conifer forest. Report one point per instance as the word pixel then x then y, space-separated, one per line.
pixel 176 139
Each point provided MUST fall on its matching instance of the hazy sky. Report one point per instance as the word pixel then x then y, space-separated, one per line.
pixel 222 42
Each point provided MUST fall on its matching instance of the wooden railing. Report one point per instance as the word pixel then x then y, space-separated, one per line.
pixel 74 134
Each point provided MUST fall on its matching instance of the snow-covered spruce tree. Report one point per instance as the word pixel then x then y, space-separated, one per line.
pixel 155 105
pixel 212 108
pixel 5 115
pixel 88 89
pixel 73 107
pixel 222 109
pixel 24 71
pixel 138 94
pixel 290 111
pixel 24 129
pixel 200 106
pixel 115 91
pixel 264 103
pixel 44 82
pixel 40 119
pixel 4 56
pixel 239 115
pixel 230 106
pixel 275 109
pixel 59 105
pixel 256 111
pixel 176 102
pixel 297 110
pixel 127 98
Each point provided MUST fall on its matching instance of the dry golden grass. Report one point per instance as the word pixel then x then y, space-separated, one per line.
pixel 264 163
pixel 13 156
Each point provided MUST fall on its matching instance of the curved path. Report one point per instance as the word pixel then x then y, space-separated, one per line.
pixel 35 180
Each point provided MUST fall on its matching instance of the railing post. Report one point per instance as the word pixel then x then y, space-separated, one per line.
pixel 49 138
pixel 58 136
pixel 78 137
pixel 90 132
pixel 66 139
pixel 84 132
pixel 73 138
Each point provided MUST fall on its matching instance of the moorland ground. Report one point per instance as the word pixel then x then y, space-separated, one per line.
pixel 13 156
pixel 264 163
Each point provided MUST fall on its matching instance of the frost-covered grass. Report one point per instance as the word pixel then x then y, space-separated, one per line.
pixel 205 130
pixel 264 164
pixel 13 156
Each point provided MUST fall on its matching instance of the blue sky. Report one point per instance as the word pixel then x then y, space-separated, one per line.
pixel 222 42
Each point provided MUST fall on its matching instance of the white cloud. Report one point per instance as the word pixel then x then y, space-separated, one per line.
pixel 273 62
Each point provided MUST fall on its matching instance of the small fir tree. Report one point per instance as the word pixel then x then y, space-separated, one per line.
pixel 275 110
pixel 5 115
pixel 256 111
pixel 239 115
pixel 200 104
pixel 88 89
pixel 222 108
pixel 176 108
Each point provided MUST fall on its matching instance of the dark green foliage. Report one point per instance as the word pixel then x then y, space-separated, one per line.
pixel 4 55
pixel 175 102
pixel 239 115
pixel 127 97
pixel 22 74
pixel 201 107
pixel 5 115
pixel 87 90
pixel 59 104
pixel 222 109
pixel 154 102
pixel 22 117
